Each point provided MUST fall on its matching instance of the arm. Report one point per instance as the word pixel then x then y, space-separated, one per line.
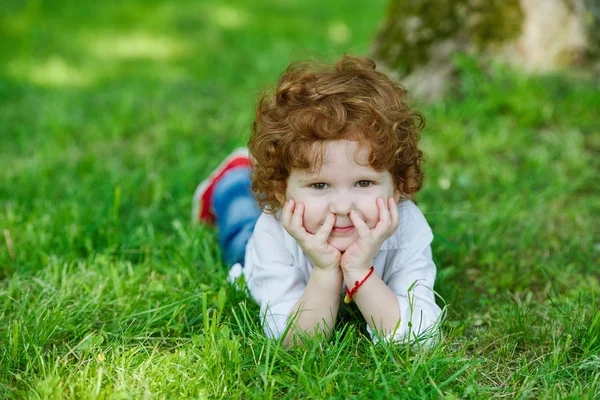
pixel 412 278
pixel 405 305
pixel 317 309
pixel 400 301
pixel 285 290
pixel 376 301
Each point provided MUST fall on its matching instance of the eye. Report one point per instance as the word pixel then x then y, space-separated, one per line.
pixel 319 186
pixel 364 184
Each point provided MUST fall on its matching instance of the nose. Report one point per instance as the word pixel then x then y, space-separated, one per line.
pixel 341 203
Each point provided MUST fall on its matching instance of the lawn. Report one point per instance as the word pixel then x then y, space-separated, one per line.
pixel 110 114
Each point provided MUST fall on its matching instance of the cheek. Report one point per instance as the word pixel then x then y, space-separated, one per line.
pixel 314 215
pixel 369 211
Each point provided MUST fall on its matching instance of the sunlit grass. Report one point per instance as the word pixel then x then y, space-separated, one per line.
pixel 137 45
pixel 53 72
pixel 228 17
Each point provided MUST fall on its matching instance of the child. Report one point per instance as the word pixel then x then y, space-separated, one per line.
pixel 334 165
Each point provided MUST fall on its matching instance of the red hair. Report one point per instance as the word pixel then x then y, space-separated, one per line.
pixel 315 103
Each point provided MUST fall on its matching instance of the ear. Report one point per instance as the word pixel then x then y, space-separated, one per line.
pixel 280 196
pixel 397 195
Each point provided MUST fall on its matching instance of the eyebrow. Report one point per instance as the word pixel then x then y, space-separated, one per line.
pixel 309 180
pixel 365 176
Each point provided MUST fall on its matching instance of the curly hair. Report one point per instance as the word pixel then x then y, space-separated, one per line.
pixel 316 103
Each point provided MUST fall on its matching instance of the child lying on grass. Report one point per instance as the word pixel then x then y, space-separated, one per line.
pixel 321 208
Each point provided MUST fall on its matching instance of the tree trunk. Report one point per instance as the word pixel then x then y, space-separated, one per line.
pixel 418 37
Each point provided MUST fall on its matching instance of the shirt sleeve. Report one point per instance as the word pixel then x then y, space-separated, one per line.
pixel 410 273
pixel 275 282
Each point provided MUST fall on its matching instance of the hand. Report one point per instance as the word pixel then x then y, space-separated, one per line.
pixel 359 256
pixel 315 246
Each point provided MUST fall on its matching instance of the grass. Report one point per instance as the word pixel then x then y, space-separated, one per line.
pixel 111 114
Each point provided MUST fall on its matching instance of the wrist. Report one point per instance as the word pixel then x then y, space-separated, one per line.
pixel 326 282
pixel 356 263
pixel 330 267
pixel 356 270
pixel 327 274
pixel 355 280
pixel 350 277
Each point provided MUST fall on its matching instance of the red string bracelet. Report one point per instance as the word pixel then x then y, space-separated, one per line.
pixel 357 284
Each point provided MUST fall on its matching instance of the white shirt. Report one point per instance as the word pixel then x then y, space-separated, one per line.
pixel 276 271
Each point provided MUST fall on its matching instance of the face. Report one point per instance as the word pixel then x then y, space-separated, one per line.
pixel 340 185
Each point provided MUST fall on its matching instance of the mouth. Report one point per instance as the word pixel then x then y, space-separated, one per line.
pixel 342 229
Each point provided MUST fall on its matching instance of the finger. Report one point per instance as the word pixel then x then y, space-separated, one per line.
pixel 286 214
pixel 290 225
pixel 325 229
pixel 384 210
pixel 384 218
pixel 361 226
pixel 298 216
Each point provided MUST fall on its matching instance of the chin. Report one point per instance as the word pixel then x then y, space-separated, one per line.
pixel 341 244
